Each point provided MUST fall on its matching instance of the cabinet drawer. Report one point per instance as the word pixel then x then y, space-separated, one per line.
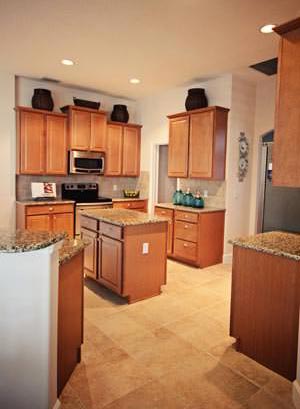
pixel 186 216
pixel 111 230
pixel 130 205
pixel 49 209
pixel 88 223
pixel 161 211
pixel 186 231
pixel 185 249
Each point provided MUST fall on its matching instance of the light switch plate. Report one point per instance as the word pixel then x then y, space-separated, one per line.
pixel 115 188
pixel 145 248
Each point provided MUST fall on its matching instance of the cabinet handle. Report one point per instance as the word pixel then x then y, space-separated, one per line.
pixel 185 245
pixel 186 226
pixel 50 209
pixel 163 212
pixel 128 205
pixel 186 216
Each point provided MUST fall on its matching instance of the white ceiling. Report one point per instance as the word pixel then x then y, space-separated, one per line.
pixel 165 43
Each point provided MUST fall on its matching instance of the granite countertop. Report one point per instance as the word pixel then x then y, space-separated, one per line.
pixel 275 243
pixel 128 199
pixel 190 209
pixel 70 248
pixel 24 240
pixel 123 217
pixel 44 202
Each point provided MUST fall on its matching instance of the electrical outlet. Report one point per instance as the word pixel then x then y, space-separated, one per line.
pixel 115 188
pixel 145 248
pixel 205 193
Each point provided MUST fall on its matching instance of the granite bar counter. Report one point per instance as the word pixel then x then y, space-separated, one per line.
pixel 188 208
pixel 70 248
pixel 275 243
pixel 23 240
pixel 123 217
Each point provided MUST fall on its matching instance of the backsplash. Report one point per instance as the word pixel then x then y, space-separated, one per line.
pixel 216 190
pixel 23 184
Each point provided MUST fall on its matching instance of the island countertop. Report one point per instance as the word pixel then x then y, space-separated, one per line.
pixel 70 248
pixel 24 240
pixel 275 243
pixel 190 209
pixel 123 217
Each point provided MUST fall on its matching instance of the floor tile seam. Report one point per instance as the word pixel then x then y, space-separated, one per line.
pixel 274 398
pixel 77 396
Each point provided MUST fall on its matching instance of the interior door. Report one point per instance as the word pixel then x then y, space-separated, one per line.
pixel 56 145
pixel 113 164
pixel 178 147
pixel 32 143
pixel 201 144
pixel 131 151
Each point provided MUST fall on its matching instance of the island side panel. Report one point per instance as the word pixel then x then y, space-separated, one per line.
pixel 144 274
pixel 265 309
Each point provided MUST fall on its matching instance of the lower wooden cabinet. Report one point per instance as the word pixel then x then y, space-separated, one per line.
pixel 110 263
pixel 45 217
pixel 194 236
pixel 90 252
pixel 139 205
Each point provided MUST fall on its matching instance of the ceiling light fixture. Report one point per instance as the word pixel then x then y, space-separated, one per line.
pixel 67 62
pixel 267 29
pixel 134 81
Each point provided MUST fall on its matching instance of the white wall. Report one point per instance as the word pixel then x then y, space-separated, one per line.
pixel 63 95
pixel 264 122
pixel 7 150
pixel 238 194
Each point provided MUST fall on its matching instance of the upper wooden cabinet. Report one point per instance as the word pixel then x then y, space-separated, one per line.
pixel 286 152
pixel 197 143
pixel 87 129
pixel 123 149
pixel 41 142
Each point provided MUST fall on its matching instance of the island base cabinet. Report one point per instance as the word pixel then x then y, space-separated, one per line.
pixel 70 319
pixel 90 253
pixel 110 263
pixel 264 315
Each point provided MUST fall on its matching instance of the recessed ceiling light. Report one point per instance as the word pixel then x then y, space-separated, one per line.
pixel 267 29
pixel 134 81
pixel 67 62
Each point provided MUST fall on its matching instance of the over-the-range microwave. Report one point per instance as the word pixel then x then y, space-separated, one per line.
pixel 86 162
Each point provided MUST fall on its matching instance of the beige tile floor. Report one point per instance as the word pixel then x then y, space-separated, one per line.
pixel 169 352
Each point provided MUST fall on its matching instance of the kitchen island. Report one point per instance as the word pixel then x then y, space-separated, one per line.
pixel 265 299
pixel 128 251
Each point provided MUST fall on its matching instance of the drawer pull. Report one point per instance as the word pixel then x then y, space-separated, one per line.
pixel 50 209
pixel 163 212
pixel 185 245
pixel 186 226
pixel 186 216
pixel 128 205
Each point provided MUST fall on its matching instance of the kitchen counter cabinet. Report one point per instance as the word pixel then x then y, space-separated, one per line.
pixel 265 300
pixel 131 251
pixel 195 236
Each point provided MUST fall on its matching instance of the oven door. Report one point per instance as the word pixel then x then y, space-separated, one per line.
pixel 86 162
pixel 80 208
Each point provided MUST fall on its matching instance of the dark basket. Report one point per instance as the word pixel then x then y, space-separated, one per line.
pixel 86 104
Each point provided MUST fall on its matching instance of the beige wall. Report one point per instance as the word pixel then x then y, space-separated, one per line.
pixel 264 121
pixel 7 150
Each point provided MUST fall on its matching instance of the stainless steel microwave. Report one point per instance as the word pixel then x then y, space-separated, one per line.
pixel 86 162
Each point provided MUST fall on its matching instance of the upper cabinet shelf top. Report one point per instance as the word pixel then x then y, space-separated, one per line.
pixel 289 26
pixel 195 111
pixel 39 111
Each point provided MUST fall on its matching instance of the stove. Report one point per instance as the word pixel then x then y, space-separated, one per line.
pixel 86 196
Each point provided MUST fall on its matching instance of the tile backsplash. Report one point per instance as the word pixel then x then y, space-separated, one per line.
pixel 216 190
pixel 23 184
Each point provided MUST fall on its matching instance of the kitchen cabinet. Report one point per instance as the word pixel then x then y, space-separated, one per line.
pixel 195 237
pixel 140 205
pixel 123 149
pixel 197 143
pixel 90 252
pixel 87 129
pixel 168 214
pixel 45 217
pixel 70 318
pixel 121 264
pixel 286 150
pixel 41 142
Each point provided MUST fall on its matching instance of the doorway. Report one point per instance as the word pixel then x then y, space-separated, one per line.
pixel 166 186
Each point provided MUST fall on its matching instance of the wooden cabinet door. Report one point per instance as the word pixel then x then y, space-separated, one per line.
pixel 90 253
pixel 131 151
pixel 56 145
pixel 286 150
pixel 178 147
pixel 40 222
pixel 31 143
pixel 110 264
pixel 63 222
pixel 113 164
pixel 80 130
pixel 201 145
pixel 98 132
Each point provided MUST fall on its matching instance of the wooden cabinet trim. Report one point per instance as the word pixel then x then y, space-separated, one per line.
pixel 41 111
pixel 288 26
pixel 195 111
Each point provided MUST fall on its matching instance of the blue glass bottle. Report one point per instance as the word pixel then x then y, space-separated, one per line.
pixel 178 197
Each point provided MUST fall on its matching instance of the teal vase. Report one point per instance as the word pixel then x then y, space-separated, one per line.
pixel 188 199
pixel 178 197
pixel 198 202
